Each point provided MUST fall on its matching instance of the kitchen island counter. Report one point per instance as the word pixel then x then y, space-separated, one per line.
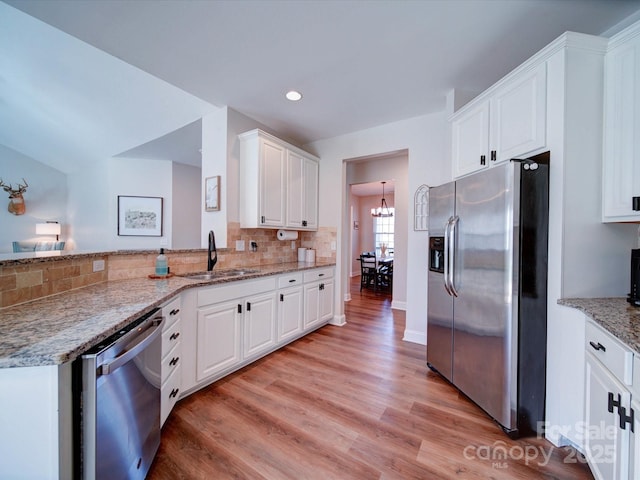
pixel 615 315
pixel 57 329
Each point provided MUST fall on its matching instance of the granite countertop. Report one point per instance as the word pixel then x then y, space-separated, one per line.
pixel 57 329
pixel 615 315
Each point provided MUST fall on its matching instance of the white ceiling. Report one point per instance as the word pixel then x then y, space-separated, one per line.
pixel 358 63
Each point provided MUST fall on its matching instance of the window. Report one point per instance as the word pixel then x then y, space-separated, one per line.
pixel 383 232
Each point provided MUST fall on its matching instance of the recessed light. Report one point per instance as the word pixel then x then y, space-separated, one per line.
pixel 293 95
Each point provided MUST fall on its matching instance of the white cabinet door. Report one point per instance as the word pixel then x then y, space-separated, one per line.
pixel 259 323
pixel 310 194
pixel 218 338
pixel 311 305
pixel 326 300
pixel 518 116
pixel 606 444
pixel 290 313
pixel 302 194
pixel 272 183
pixel 621 163
pixel 470 134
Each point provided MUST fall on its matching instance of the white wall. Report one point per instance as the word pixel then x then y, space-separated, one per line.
pixel 426 140
pixel 45 198
pixel 186 198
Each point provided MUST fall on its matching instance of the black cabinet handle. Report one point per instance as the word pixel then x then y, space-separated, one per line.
pixel 292 281
pixel 304 223
pixel 239 308
pixel 611 404
pixel 321 287
pixel 624 419
pixel 248 306
pixel 174 335
pixel 483 159
pixel 494 155
pixel 175 311
pixel 262 219
pixel 635 204
pixel 174 393
pixel 321 274
pixel 282 297
pixel 174 361
pixel 597 346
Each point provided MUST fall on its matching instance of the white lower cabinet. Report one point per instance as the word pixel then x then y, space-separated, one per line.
pixel 218 337
pixel 634 442
pixel 606 445
pixel 290 306
pixel 609 411
pixel 171 353
pixel 318 297
pixel 233 324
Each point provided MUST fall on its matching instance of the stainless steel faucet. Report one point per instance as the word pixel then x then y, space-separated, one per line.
pixel 212 260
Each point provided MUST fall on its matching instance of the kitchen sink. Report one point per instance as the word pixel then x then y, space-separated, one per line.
pixel 236 272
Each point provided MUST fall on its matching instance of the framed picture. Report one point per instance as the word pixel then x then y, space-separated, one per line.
pixel 140 216
pixel 212 194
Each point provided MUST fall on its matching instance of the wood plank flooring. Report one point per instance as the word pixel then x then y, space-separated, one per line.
pixel 351 402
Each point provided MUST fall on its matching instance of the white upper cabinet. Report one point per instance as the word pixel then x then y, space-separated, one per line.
pixel 279 184
pixel 621 162
pixel 302 198
pixel 507 122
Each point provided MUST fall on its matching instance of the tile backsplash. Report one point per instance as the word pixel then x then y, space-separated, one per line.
pixel 21 282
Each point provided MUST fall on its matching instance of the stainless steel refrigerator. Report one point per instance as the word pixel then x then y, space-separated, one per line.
pixel 487 283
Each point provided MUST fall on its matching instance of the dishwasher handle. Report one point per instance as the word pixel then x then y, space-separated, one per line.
pixel 140 343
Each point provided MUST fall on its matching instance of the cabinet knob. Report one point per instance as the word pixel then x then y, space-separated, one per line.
pixel 282 297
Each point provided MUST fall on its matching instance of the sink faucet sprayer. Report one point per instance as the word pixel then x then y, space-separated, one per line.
pixel 211 261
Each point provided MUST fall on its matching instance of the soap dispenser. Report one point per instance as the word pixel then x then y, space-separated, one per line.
pixel 162 267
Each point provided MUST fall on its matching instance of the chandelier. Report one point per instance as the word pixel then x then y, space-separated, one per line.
pixel 382 210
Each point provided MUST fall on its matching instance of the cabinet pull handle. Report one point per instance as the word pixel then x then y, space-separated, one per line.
pixel 494 155
pixel 322 286
pixel 282 297
pixel 239 308
pixel 174 361
pixel 174 335
pixel 262 219
pixel 321 274
pixel 175 311
pixel 483 159
pixel 613 403
pixel 304 223
pixel 597 346
pixel 635 204
pixel 248 306
pixel 292 280
pixel 624 418
pixel 174 393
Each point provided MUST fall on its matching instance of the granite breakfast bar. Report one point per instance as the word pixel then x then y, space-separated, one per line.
pixel 40 340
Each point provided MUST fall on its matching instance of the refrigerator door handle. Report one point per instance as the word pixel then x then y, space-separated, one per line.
pixel 452 259
pixel 447 227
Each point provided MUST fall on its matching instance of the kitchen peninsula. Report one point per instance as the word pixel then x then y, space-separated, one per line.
pixel 41 338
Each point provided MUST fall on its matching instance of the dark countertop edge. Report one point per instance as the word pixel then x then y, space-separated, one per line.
pixel 613 314
pixel 70 355
pixel 56 256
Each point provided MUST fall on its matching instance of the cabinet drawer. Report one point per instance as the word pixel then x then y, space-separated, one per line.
pixel 318 274
pixel 231 290
pixel 170 338
pixel 171 312
pixel 169 395
pixel 290 280
pixel 171 362
pixel 610 351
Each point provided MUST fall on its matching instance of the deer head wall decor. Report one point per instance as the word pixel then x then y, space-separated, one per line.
pixel 16 202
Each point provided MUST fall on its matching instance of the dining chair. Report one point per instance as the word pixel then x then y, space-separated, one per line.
pixel 368 271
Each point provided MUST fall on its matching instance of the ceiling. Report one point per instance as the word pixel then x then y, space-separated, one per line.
pixel 358 63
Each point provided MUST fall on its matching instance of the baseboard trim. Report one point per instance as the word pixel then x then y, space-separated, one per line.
pixel 338 320
pixel 415 337
pixel 399 305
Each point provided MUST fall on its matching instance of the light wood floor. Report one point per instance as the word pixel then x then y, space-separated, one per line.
pixel 351 402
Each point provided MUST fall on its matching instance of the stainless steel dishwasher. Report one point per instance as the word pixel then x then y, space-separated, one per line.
pixel 118 407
